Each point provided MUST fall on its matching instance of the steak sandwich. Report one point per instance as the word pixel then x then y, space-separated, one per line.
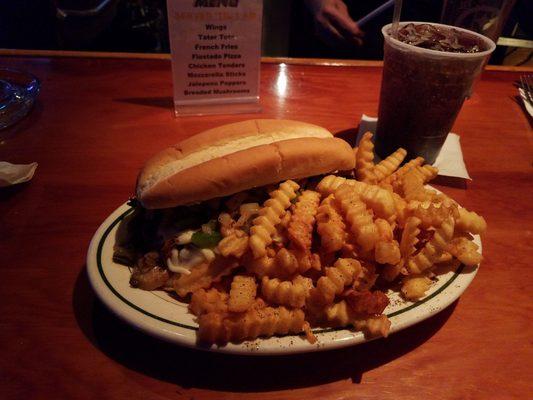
pixel 191 196
pixel 240 156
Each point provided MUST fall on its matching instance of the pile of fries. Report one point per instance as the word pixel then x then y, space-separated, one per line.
pixel 314 253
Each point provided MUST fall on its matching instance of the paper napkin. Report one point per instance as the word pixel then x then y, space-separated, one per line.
pixel 11 174
pixel 450 159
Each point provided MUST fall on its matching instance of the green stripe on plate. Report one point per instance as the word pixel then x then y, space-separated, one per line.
pixel 114 291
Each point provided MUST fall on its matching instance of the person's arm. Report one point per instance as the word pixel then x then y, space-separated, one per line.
pixel 333 23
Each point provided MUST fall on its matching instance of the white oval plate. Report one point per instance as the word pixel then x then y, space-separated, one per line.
pixel 160 315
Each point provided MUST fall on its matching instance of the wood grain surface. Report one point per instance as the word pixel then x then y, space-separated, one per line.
pixel 95 123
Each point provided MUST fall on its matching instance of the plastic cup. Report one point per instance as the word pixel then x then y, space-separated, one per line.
pixel 422 91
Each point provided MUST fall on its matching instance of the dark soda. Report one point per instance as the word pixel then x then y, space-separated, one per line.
pixel 427 75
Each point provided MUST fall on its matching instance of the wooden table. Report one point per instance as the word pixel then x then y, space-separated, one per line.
pixel 95 123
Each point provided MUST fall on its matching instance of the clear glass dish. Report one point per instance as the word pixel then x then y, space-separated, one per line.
pixel 18 91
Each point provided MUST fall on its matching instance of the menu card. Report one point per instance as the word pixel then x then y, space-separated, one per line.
pixel 216 55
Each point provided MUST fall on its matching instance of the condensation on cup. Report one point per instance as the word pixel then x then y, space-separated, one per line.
pixel 423 90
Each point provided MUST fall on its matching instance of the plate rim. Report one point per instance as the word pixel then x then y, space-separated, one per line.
pixel 129 312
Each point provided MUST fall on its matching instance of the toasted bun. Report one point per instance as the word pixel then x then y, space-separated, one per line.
pixel 235 157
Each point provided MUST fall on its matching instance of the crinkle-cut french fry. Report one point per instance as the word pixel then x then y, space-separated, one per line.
pixel 268 321
pixel 284 223
pixel 394 177
pixel 469 221
pixel 235 244
pixel 336 278
pixel 307 260
pixel 433 249
pixel 432 214
pixel 285 263
pixel 330 225
pixel 415 286
pixel 384 229
pixel 304 281
pixel 375 197
pixel 211 327
pixel 465 251
pixel 412 183
pixel 429 171
pixel 281 238
pixel 379 199
pixel 374 325
pixel 400 206
pixel 330 183
pixel 286 260
pixel 285 293
pixel 206 301
pixel 364 164
pixel 413 186
pixel 340 314
pixel 409 237
pixel 359 219
pixel 302 222
pixel 424 173
pixel 203 275
pixel 387 250
pixel 264 226
pixel 390 164
pixel 293 260
pixel 242 293
pixel 266 266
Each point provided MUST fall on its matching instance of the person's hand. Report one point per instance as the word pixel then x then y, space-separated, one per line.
pixel 333 23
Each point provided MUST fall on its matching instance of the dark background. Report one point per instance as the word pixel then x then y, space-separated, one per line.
pixel 141 26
